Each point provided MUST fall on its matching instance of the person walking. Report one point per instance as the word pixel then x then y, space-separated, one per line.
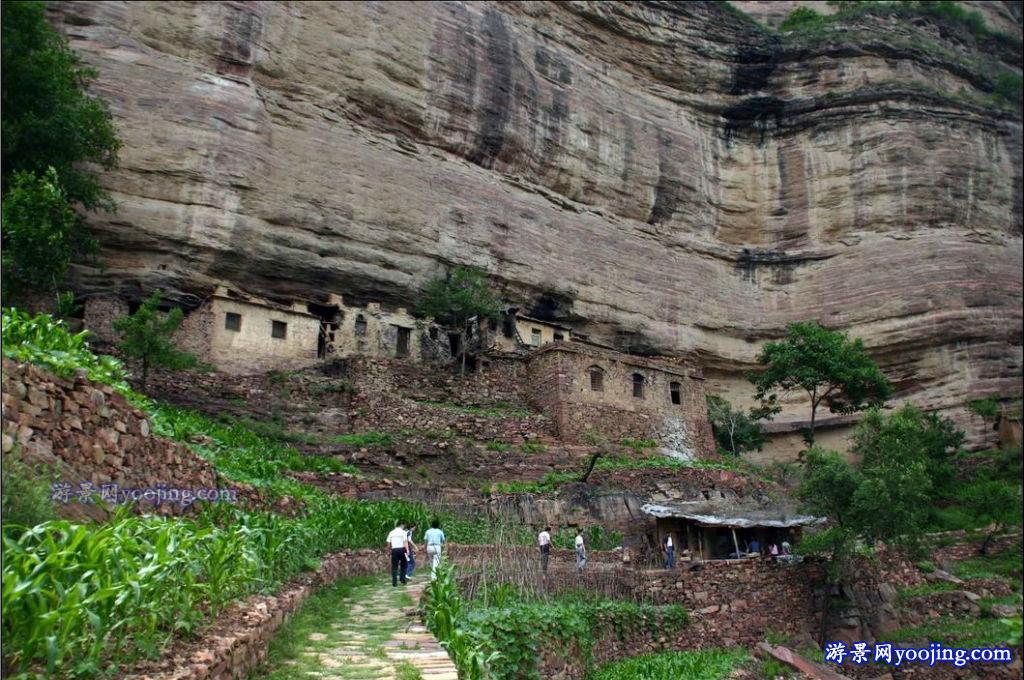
pixel 434 538
pixel 544 543
pixel 396 542
pixel 410 546
pixel 670 553
pixel 581 552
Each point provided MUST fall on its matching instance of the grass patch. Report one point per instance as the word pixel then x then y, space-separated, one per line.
pixel 638 445
pixel 499 447
pixel 499 409
pixel 965 633
pixel 533 447
pixel 363 439
pixel 926 589
pixel 705 664
pixel 1005 565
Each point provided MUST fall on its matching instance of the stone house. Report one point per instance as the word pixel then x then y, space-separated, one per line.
pixel 587 388
pixel 517 332
pixel 241 333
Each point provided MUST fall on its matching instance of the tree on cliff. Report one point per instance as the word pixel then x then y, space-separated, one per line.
pixel 457 299
pixel 735 430
pixel 146 336
pixel 886 499
pixel 49 128
pixel 828 366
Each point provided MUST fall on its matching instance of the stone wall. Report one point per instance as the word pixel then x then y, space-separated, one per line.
pixel 99 314
pixel 95 439
pixel 561 385
pixel 237 642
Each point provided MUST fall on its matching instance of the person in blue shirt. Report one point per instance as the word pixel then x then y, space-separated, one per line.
pixel 434 538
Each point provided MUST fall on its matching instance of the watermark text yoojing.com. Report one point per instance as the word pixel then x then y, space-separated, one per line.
pixel 935 653
pixel 115 494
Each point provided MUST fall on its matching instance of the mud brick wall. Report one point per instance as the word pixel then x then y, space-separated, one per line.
pixel 238 640
pixel 92 435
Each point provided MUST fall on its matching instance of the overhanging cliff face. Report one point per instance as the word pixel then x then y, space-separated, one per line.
pixel 664 176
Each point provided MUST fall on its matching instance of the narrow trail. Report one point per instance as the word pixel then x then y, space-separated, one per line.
pixel 375 635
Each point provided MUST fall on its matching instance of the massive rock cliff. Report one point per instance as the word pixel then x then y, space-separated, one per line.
pixel 666 176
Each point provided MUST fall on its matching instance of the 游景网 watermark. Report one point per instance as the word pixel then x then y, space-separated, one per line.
pixel 894 655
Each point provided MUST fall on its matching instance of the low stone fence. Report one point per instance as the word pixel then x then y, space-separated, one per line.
pixel 237 641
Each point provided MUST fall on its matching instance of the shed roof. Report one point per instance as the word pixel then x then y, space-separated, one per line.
pixel 715 515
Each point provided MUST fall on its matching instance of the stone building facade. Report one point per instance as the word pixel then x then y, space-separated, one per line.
pixel 516 332
pixel 241 333
pixel 591 389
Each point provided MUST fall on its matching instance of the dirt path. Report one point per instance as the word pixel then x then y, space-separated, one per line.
pixel 371 634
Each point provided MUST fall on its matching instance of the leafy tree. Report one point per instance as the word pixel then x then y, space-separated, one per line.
pixel 987 408
pixel 913 436
pixel 146 336
pixel 49 126
pixel 832 370
pixel 996 503
pixel 735 431
pixel 884 499
pixel 457 299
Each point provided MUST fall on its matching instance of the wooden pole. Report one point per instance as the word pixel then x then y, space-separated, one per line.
pixel 735 543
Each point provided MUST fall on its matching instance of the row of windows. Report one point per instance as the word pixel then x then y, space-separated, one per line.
pixel 233 322
pixel 597 385
pixel 279 330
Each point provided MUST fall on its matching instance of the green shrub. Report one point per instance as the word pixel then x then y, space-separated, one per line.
pixel 497 446
pixel 802 17
pixel 25 494
pixel 639 445
pixel 926 589
pixel 1009 88
pixel 772 668
pixel 533 447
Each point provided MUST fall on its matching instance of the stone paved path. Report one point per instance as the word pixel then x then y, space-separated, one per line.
pixel 377 636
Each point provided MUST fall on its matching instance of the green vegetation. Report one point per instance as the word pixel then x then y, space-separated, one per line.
pixel 497 410
pixel 533 447
pixel 332 387
pixel 51 131
pixel 987 408
pixel 706 664
pixel 829 367
pixel 499 447
pixel 146 336
pixel 24 494
pixel 803 17
pixel 981 632
pixel 361 439
pixel 773 668
pixel 1005 565
pixel 735 431
pixel 926 589
pixel 504 640
pixel 638 445
pixel 457 298
pixel 42 340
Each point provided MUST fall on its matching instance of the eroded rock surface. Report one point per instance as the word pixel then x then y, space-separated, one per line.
pixel 665 176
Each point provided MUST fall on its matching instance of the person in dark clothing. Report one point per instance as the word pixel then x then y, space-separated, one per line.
pixel 397 542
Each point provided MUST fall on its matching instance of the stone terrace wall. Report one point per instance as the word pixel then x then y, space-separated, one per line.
pixel 379 404
pixel 93 435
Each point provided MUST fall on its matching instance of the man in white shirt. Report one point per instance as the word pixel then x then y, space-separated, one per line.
pixel 670 553
pixel 581 552
pixel 396 542
pixel 544 543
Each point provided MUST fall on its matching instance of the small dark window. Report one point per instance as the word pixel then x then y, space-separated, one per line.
pixel 559 336
pixel 596 379
pixel 508 326
pixel 674 391
pixel 233 322
pixel 535 337
pixel 278 329
pixel 360 325
pixel 402 348
pixel 433 332
pixel 638 386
